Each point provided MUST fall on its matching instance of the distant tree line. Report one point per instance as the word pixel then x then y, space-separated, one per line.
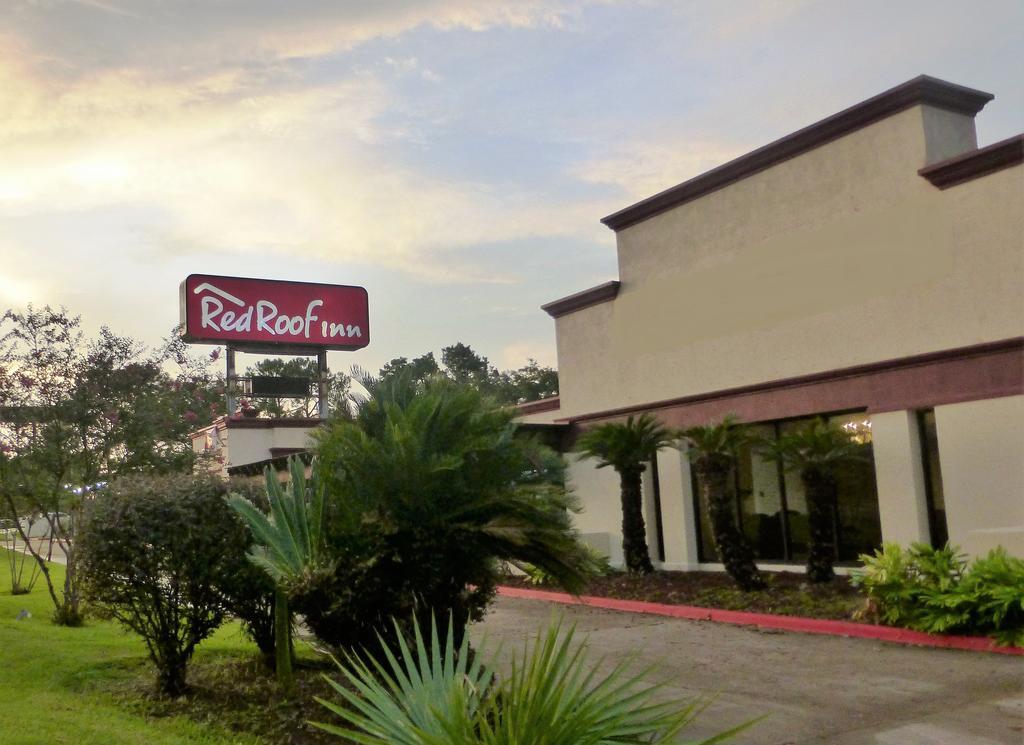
pixel 459 362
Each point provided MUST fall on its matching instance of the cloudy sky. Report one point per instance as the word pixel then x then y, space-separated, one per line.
pixel 453 156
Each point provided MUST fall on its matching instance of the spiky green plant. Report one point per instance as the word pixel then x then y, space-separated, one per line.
pixel 433 694
pixel 713 450
pixel 816 451
pixel 418 696
pixel 289 545
pixel 627 447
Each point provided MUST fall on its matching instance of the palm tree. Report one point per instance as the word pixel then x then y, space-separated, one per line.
pixel 713 450
pixel 288 546
pixel 430 489
pixel 626 447
pixel 816 452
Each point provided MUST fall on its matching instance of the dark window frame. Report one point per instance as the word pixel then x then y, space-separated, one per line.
pixel 659 532
pixel 929 485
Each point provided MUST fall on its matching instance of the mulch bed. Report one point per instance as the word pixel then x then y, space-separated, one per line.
pixel 788 593
pixel 237 694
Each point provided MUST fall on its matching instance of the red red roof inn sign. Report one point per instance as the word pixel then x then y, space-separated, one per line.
pixel 265 315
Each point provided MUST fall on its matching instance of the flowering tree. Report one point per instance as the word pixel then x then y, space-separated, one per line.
pixel 74 414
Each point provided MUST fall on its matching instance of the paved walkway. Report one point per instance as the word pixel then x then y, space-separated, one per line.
pixel 41 545
pixel 815 689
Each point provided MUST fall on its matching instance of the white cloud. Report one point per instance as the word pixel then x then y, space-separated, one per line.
pixel 303 171
pixel 515 355
pixel 645 166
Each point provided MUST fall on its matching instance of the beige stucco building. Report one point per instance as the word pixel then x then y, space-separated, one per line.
pixel 869 268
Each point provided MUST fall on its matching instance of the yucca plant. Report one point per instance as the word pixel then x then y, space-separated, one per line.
pixel 435 694
pixel 816 451
pixel 627 447
pixel 713 450
pixel 288 547
pixel 421 695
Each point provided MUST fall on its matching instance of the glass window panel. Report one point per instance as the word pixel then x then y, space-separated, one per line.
pixel 760 500
pixel 859 527
pixel 705 543
pixel 796 502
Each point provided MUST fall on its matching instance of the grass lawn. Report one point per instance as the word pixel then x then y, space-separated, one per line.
pixel 94 685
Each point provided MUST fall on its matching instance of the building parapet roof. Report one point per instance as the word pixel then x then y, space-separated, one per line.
pixel 921 90
pixel 580 300
pixel 976 163
pixel 539 406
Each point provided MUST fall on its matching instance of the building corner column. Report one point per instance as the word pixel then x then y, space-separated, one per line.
pixel 899 473
pixel 679 526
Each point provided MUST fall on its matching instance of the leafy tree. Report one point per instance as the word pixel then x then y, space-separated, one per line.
pixel 465 366
pixel 289 546
pixel 338 387
pixel 81 413
pixel 420 368
pixel 627 447
pixel 531 382
pixel 427 490
pixel 712 451
pixel 152 553
pixel 816 451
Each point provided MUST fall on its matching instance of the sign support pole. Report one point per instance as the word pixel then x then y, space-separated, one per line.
pixel 321 383
pixel 229 389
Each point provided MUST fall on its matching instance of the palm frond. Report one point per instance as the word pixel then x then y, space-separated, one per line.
pixel 625 445
pixel 432 694
pixel 724 438
pixel 288 540
pixel 819 445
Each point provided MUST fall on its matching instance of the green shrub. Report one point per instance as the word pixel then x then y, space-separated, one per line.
pixel 154 553
pixel 432 693
pixel 537 576
pixel 247 590
pixel 935 590
pixel 427 491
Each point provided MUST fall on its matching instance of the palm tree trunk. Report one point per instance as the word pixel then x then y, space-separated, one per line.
pixel 820 488
pixel 634 532
pixel 712 478
pixel 283 641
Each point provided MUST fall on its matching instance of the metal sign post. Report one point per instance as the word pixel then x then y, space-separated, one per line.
pixel 229 379
pixel 321 383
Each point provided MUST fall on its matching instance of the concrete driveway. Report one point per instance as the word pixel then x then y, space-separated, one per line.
pixel 815 689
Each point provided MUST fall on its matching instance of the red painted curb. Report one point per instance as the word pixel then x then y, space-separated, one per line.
pixel 770 621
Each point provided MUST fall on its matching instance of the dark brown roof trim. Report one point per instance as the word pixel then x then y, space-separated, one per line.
pixel 243 422
pixel 977 163
pixel 539 406
pixel 1015 345
pixel 279 463
pixel 579 301
pixel 921 90
pixel 285 452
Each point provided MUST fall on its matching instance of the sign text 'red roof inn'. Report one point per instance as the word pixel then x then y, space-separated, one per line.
pixel 265 313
